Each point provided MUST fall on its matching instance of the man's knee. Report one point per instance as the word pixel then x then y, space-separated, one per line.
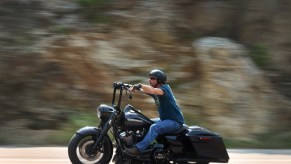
pixel 154 127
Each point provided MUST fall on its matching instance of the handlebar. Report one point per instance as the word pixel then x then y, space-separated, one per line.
pixel 121 85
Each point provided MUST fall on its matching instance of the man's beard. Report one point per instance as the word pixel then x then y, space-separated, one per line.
pixel 155 86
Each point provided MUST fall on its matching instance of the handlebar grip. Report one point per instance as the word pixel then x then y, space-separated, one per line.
pixel 127 85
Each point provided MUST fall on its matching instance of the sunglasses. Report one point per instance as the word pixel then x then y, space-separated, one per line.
pixel 153 78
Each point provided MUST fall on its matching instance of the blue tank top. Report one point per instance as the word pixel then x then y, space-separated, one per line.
pixel 167 105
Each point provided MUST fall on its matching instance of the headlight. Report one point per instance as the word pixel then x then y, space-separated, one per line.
pixel 104 112
pixel 98 113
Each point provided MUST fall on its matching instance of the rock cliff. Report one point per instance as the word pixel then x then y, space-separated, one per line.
pixel 228 62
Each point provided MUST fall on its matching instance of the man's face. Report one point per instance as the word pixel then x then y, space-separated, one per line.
pixel 153 81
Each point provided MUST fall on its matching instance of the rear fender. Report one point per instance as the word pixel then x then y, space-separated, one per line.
pixel 89 130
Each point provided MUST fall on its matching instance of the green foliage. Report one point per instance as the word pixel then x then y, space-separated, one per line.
pixel 262 141
pixel 260 55
pixel 76 121
pixel 192 119
pixel 83 119
pixel 185 36
pixel 3 140
pixel 101 19
pixel 62 30
pixel 92 3
pixel 236 143
pixel 93 10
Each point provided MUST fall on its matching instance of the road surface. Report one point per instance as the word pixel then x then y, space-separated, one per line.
pixel 58 155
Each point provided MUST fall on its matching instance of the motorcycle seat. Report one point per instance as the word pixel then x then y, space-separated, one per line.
pixel 183 128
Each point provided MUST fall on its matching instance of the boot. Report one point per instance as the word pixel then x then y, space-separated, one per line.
pixel 132 151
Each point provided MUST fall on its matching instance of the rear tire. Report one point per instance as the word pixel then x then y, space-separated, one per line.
pixel 78 150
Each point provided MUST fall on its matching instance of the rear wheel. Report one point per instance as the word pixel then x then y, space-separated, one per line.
pixel 79 150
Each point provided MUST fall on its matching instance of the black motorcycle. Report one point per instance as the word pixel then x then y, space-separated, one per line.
pixel 128 126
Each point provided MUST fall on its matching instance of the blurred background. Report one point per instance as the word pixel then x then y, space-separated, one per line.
pixel 228 63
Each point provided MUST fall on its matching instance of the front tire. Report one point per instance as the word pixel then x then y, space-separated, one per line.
pixel 79 150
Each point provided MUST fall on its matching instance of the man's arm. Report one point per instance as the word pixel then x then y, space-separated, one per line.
pixel 151 90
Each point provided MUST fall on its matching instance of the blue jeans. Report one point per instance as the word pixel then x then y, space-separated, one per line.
pixel 158 128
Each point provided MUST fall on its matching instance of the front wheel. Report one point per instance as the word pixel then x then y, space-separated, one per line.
pixel 79 150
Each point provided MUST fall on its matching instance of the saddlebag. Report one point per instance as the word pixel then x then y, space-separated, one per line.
pixel 207 145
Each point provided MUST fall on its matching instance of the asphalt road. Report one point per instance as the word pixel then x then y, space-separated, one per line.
pixel 58 155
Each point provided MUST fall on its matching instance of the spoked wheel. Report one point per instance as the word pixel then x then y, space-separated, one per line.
pixel 80 150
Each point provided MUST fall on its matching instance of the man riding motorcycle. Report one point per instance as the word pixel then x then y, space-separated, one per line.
pixel 171 117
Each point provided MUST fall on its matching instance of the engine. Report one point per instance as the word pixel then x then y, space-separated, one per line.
pixel 135 128
pixel 129 138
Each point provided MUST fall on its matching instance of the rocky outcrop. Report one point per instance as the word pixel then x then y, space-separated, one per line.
pixel 233 94
pixel 250 23
pixel 55 61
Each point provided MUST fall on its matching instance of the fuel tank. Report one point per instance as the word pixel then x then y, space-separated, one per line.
pixel 135 120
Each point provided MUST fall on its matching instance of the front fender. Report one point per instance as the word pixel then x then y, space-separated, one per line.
pixel 89 130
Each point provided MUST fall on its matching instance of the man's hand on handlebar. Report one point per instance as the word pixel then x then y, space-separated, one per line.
pixel 135 87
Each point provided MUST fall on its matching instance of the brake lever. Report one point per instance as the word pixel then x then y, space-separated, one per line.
pixel 129 95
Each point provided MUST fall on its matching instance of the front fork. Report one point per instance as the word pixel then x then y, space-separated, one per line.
pixel 104 130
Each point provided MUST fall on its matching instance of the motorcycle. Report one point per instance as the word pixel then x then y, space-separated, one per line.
pixel 128 126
